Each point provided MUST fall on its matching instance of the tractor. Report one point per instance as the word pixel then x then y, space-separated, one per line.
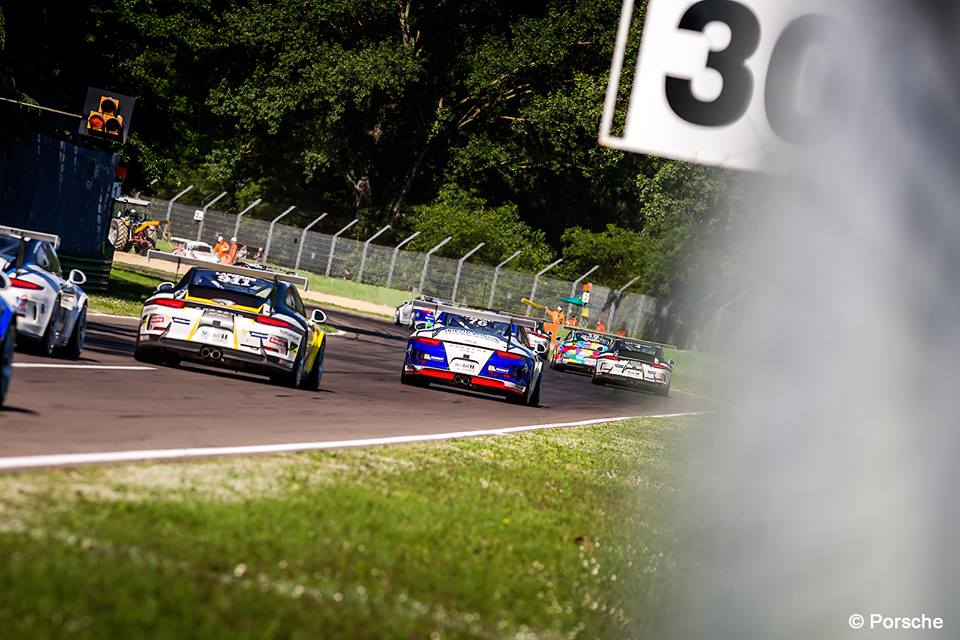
pixel 131 229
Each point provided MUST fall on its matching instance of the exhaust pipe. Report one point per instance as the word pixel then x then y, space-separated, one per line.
pixel 464 380
pixel 205 352
pixel 211 354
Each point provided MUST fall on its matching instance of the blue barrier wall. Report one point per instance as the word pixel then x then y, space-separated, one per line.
pixel 58 187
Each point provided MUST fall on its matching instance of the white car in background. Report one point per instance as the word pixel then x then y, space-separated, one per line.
pixel 51 311
pixel 417 310
pixel 194 249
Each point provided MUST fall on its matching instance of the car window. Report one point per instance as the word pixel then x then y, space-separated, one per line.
pixel 297 302
pixel 43 261
pixel 52 260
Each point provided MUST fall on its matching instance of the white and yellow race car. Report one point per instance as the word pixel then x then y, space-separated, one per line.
pixel 235 318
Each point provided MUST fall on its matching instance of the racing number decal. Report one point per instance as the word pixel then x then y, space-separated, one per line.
pixel 785 69
pixel 781 77
pixel 737 91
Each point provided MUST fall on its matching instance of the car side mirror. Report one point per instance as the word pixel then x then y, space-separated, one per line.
pixel 318 316
pixel 165 287
pixel 540 348
pixel 77 277
pixel 672 363
pixel 420 326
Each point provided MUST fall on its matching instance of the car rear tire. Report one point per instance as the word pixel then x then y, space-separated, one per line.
pixel 312 381
pixel 665 392
pixel 6 361
pixel 48 341
pixel 597 380
pixel 293 379
pixel 74 346
pixel 412 381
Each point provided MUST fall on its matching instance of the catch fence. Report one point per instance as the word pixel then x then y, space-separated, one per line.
pixel 416 272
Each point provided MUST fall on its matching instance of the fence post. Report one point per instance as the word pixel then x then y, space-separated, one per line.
pixel 303 237
pixel 573 287
pixel 616 300
pixel 236 227
pixel 363 256
pixel 720 312
pixel 204 219
pixel 456 280
pixel 496 276
pixel 266 248
pixel 536 281
pixel 170 207
pixel 393 258
pixel 333 245
pixel 426 261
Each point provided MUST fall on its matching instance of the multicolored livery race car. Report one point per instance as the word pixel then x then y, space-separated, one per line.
pixel 51 310
pixel 474 350
pixel 635 364
pixel 234 318
pixel 579 350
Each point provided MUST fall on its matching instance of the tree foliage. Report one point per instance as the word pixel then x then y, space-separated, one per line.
pixel 475 120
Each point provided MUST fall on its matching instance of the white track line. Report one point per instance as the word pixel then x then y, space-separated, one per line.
pixel 108 367
pixel 24 462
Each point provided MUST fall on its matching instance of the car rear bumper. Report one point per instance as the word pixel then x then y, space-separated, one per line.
pixel 465 381
pixel 626 381
pixel 215 355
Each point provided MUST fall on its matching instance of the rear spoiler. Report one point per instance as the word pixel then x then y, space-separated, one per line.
pixel 263 274
pixel 616 337
pixel 472 313
pixel 32 235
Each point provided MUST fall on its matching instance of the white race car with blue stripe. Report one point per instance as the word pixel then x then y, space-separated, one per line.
pixel 474 350
pixel 51 311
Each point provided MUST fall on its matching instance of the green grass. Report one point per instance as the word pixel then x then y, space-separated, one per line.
pixel 695 371
pixel 126 291
pixel 559 534
pixel 357 291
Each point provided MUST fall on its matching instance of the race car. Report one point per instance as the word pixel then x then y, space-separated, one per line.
pixel 234 318
pixel 474 350
pixel 8 337
pixel 579 350
pixel 194 249
pixel 635 364
pixel 51 312
pixel 417 310
pixel 536 334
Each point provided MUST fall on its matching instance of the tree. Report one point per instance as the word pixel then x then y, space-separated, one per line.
pixel 468 220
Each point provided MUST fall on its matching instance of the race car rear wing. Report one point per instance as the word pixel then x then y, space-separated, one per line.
pixel 492 316
pixel 263 274
pixel 26 234
pixel 614 336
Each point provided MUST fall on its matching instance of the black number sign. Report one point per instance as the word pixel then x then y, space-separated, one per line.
pixel 734 98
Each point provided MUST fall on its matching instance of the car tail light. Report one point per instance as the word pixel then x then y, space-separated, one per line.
pixel 169 302
pixel 273 322
pixel 660 365
pixel 609 358
pixel 506 355
pixel 17 283
pixel 431 342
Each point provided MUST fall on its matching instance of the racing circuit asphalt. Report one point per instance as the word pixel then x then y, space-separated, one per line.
pixel 84 410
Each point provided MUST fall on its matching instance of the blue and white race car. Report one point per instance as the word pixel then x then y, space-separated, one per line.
pixel 420 309
pixel 474 350
pixel 8 337
pixel 51 311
